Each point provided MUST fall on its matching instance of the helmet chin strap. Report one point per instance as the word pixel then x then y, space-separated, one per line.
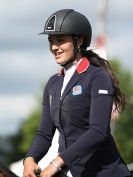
pixel 75 51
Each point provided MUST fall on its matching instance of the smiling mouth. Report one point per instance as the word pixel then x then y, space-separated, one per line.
pixel 57 55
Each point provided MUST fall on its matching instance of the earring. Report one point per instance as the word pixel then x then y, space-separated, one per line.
pixel 78 48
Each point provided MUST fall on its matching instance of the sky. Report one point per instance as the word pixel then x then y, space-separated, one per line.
pixel 25 60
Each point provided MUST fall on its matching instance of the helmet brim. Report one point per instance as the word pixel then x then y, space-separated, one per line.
pixel 55 33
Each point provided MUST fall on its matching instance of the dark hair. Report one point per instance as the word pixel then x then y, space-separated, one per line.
pixel 119 98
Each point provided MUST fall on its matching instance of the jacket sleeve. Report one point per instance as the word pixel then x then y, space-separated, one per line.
pixel 101 92
pixel 45 132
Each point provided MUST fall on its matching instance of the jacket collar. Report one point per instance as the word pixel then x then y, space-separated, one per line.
pixel 82 67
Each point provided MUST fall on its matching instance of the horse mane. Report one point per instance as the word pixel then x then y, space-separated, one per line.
pixel 5 171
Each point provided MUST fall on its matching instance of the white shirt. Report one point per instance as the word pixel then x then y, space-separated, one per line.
pixel 68 74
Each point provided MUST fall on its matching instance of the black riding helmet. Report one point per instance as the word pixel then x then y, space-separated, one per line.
pixel 68 21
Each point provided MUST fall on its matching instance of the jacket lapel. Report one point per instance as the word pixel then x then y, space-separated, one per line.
pixel 75 78
pixel 78 75
pixel 59 85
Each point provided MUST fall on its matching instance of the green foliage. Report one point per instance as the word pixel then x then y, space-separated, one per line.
pixel 21 141
pixel 28 129
pixel 29 126
pixel 5 147
pixel 123 127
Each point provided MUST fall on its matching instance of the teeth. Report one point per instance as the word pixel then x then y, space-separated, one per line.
pixel 58 54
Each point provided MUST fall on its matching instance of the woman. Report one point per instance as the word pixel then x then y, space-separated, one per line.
pixel 78 102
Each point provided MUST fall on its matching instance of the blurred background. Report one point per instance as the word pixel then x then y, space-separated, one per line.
pixel 26 64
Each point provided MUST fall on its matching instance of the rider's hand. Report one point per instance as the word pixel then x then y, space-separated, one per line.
pixel 29 167
pixel 53 168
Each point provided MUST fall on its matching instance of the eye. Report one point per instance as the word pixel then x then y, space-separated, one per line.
pixel 56 41
pixel 60 41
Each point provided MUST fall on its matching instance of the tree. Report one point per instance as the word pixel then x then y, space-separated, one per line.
pixel 21 141
pixel 123 132
pixel 28 130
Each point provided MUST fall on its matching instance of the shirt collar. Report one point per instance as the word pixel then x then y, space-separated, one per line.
pixel 73 67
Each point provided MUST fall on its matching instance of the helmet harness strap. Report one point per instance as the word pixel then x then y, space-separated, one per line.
pixel 76 50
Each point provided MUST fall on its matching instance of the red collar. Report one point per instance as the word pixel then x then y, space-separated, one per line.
pixel 82 67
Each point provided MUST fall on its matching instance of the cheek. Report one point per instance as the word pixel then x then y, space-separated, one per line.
pixel 70 51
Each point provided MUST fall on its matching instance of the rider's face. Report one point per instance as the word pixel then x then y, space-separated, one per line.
pixel 61 47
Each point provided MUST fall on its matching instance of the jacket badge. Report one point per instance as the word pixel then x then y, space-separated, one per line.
pixel 50 100
pixel 77 90
pixel 103 91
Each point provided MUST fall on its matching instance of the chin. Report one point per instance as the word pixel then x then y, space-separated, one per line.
pixel 59 62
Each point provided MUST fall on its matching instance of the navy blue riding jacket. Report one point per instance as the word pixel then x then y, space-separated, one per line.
pixel 82 116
